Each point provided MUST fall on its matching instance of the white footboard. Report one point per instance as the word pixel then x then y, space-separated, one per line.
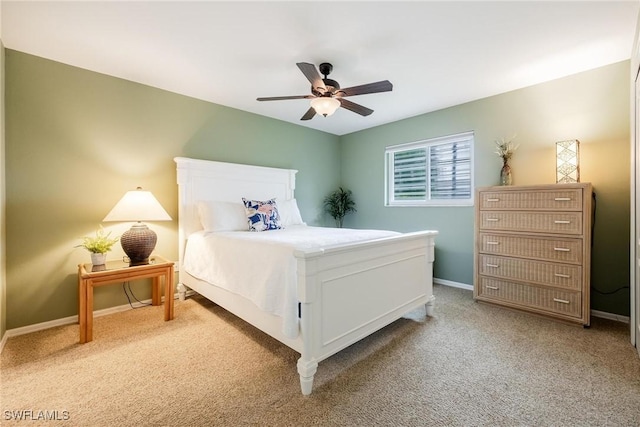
pixel 351 291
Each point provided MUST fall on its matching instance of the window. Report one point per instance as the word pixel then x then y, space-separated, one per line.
pixel 434 172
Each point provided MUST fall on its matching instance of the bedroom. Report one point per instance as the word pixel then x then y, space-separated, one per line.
pixel 62 179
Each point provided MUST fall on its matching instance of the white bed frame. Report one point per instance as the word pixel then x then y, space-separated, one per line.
pixel 346 292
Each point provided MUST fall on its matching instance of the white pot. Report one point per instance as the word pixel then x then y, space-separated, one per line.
pixel 98 259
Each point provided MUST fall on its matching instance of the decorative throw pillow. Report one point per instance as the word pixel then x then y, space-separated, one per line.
pixel 262 216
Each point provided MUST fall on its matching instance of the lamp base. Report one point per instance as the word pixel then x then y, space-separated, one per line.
pixel 138 242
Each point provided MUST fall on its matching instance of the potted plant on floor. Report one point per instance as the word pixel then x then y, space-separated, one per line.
pixel 98 245
pixel 338 204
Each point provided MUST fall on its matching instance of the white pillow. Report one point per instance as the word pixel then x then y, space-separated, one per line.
pixel 289 212
pixel 222 216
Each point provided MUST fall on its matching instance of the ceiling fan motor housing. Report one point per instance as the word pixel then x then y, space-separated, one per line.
pixel 325 68
pixel 332 86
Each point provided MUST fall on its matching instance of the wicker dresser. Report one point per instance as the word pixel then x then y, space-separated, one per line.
pixel 533 249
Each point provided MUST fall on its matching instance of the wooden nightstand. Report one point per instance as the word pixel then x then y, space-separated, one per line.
pixel 90 276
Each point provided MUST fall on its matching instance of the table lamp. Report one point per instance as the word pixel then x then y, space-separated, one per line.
pixel 568 161
pixel 139 241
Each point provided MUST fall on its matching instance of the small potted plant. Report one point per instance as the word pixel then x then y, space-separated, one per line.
pixel 338 204
pixel 98 245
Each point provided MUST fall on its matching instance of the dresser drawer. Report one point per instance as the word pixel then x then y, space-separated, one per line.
pixel 530 297
pixel 538 222
pixel 550 200
pixel 567 276
pixel 540 248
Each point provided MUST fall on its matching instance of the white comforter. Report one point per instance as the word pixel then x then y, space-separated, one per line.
pixel 261 266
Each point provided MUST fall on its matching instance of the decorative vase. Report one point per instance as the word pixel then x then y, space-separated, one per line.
pixel 98 259
pixel 505 174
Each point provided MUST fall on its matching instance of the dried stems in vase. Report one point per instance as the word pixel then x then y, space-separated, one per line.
pixel 505 150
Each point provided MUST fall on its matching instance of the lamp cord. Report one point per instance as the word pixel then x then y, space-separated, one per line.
pixel 126 285
pixel 593 232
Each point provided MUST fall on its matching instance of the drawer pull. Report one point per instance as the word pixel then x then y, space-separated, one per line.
pixel 562 199
pixel 562 249
pixel 493 243
pixel 492 219
pixel 495 288
pixel 558 221
pixel 493 200
pixel 492 265
pixel 564 276
pixel 562 301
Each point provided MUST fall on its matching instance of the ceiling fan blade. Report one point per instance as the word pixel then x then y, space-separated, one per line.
pixel 281 98
pixel 356 108
pixel 309 114
pixel 381 86
pixel 311 73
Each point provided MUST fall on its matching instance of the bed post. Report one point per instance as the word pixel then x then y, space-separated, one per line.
pixel 186 213
pixel 307 288
pixel 307 370
pixel 430 306
pixel 431 256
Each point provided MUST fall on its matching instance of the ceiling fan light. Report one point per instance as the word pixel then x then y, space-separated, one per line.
pixel 325 105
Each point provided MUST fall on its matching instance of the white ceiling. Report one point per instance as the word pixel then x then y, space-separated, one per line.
pixel 436 54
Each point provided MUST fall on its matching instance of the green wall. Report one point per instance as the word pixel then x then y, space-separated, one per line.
pixel 76 141
pixel 592 107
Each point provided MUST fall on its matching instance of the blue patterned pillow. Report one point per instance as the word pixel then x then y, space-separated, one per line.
pixel 262 216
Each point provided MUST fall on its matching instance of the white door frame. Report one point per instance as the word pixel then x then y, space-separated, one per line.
pixel 635 213
pixel 634 302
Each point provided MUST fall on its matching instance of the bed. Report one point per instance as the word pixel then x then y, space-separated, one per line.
pixel 342 290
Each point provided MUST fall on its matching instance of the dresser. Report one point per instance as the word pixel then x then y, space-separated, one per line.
pixel 533 249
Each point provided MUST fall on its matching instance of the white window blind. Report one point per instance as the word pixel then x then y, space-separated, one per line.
pixel 437 171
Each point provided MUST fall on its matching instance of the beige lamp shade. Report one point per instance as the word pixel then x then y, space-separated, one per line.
pixel 325 105
pixel 137 205
pixel 139 241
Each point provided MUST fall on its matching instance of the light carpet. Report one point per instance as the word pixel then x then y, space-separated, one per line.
pixel 471 364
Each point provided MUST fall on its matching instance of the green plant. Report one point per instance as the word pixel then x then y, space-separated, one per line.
pixel 338 204
pixel 101 243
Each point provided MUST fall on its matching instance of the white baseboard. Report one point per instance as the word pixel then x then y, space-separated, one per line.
pixel 452 284
pixel 610 316
pixel 68 320
pixel 594 313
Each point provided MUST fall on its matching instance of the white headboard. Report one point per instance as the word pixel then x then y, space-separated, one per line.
pixel 229 182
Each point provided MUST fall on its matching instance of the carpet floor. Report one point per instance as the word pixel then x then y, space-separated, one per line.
pixel 471 364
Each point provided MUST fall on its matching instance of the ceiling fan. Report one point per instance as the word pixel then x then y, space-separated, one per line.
pixel 326 96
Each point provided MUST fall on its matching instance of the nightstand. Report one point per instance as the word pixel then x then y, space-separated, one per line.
pixel 90 276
